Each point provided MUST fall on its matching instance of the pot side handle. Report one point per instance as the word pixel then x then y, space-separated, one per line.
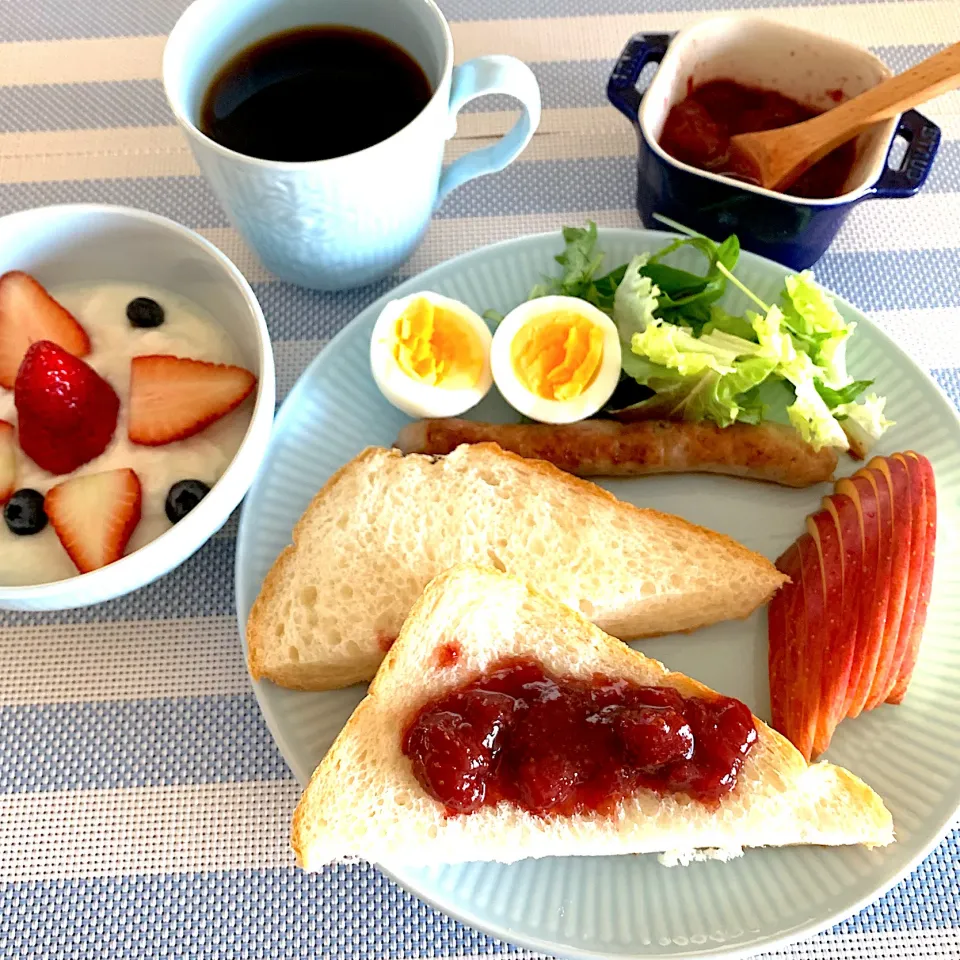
pixel 923 140
pixel 641 49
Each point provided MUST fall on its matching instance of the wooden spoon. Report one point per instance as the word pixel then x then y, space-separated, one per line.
pixel 781 156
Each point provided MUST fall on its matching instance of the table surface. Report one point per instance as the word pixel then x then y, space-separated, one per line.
pixel 144 808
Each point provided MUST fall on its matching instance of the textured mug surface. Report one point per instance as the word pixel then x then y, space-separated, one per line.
pixel 630 906
pixel 343 222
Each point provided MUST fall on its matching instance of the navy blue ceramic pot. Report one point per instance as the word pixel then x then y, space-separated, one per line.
pixel 807 66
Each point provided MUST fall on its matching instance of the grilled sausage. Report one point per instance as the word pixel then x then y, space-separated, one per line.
pixel 606 448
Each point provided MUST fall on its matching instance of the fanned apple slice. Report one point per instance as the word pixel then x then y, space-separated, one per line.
pixel 918 547
pixel 788 641
pixel 920 469
pixel 810 655
pixel 846 518
pixel 893 484
pixel 875 559
pixel 781 625
pixel 845 633
pixel 836 651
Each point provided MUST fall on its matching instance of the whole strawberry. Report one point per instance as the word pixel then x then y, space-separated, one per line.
pixel 67 412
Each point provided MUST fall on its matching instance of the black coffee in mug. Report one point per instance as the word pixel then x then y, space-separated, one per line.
pixel 313 93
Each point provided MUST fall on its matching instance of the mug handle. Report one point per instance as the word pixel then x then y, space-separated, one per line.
pixel 477 78
pixel 923 140
pixel 641 49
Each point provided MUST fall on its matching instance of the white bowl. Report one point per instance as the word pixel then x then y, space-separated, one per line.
pixel 91 243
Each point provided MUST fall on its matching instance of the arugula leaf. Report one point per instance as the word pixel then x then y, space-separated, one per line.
pixel 580 260
pixel 848 394
pixel 685 297
pixel 674 283
pixel 728 253
pixel 602 291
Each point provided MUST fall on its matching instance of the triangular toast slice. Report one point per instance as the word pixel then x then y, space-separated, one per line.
pixel 364 802
pixel 386 524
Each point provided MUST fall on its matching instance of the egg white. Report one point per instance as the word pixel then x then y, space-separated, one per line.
pixel 420 399
pixel 540 408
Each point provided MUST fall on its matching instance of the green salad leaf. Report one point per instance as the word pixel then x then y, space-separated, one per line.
pixel 634 300
pixel 729 323
pixel 685 357
pixel 836 398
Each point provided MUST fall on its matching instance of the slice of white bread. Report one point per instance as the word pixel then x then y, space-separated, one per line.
pixel 363 801
pixel 386 524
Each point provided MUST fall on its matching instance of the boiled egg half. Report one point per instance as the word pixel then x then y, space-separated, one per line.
pixel 430 355
pixel 556 359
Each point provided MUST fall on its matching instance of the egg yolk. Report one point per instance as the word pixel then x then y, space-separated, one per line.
pixel 557 356
pixel 436 347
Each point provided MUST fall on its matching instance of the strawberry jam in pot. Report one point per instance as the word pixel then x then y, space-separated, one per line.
pixel 698 129
pixel 563 745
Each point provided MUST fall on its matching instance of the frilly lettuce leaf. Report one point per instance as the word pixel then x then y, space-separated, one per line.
pixel 678 349
pixel 706 394
pixel 775 342
pixel 814 320
pixel 863 423
pixel 809 412
pixel 635 300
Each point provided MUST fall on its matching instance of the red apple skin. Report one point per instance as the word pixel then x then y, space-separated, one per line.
pixel 846 519
pixel 881 593
pixel 836 650
pixel 893 475
pixel 873 605
pixel 780 627
pixel 919 464
pixel 810 660
pixel 787 643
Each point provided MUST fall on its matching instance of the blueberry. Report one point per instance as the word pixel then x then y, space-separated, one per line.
pixel 184 495
pixel 144 312
pixel 24 512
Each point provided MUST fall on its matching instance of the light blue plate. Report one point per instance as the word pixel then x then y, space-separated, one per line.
pixel 631 906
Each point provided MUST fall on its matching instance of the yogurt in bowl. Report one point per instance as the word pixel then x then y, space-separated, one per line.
pixel 94 261
pixel 187 330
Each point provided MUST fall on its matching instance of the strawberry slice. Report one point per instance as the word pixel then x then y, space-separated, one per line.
pixel 8 461
pixel 67 412
pixel 172 398
pixel 29 314
pixel 94 516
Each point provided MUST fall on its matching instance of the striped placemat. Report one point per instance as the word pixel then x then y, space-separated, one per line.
pixel 144 809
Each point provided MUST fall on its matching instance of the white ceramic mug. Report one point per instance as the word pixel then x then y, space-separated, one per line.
pixel 332 224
